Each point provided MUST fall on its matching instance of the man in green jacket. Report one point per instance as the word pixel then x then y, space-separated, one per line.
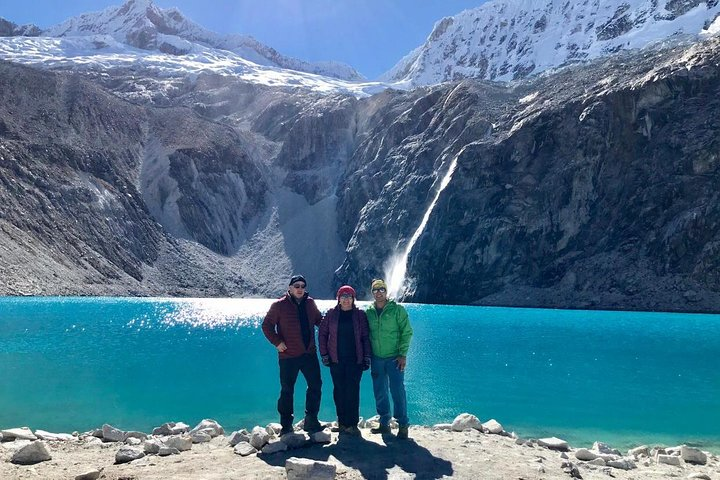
pixel 390 334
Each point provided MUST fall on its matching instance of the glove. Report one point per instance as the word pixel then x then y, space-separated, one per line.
pixel 366 363
pixel 325 360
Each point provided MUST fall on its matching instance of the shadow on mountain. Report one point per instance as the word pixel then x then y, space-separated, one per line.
pixel 373 460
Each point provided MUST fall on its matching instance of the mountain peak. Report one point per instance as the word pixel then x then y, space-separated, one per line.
pixel 511 39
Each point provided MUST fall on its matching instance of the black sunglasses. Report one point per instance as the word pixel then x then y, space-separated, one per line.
pixel 381 290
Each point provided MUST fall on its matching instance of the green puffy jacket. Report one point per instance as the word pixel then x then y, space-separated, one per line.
pixel 390 333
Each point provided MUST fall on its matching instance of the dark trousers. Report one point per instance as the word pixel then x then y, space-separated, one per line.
pixel 346 391
pixel 289 367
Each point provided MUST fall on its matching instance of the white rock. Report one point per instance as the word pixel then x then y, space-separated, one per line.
pixel 59 437
pixel 89 474
pixel 112 434
pixel 466 421
pixel 323 436
pixel 209 426
pixel 166 451
pixel 31 453
pixel 642 450
pixel 554 443
pixel 699 476
pixel 244 449
pixel 668 459
pixel 598 462
pixel 274 447
pixel 22 433
pixel 128 454
pixel 259 437
pixel 139 435
pixel 442 426
pixel 306 469
pixel 171 428
pixel 622 464
pixel 202 436
pixel 273 428
pixel 295 440
pixel 181 442
pixel 133 441
pixel 600 447
pixel 239 436
pixel 585 455
pixel 152 445
pixel 493 426
pixel 693 455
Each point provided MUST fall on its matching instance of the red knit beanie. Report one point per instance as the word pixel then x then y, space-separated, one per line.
pixel 345 289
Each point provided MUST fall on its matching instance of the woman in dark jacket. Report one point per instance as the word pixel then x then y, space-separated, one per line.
pixel 345 348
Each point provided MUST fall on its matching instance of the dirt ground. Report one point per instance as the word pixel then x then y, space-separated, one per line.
pixel 428 454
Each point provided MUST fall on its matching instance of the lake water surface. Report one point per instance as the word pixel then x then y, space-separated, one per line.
pixel 624 378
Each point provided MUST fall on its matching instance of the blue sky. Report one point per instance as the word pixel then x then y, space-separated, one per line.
pixel 370 35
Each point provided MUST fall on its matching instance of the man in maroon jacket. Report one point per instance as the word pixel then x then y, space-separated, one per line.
pixel 290 326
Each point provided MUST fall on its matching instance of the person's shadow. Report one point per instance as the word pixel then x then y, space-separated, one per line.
pixel 373 460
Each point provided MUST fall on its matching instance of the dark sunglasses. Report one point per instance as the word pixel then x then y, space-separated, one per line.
pixel 381 290
pixel 298 286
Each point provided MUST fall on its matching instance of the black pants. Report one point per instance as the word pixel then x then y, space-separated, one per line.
pixel 289 367
pixel 346 391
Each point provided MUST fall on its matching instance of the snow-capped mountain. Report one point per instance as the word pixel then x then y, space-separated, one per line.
pixel 509 39
pixel 142 24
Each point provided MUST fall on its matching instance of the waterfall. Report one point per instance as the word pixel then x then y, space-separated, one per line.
pixel 396 266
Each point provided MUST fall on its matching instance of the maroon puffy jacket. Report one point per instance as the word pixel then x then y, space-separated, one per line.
pixel 329 333
pixel 282 324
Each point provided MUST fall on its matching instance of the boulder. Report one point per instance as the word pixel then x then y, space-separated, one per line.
pixel 139 435
pixel 622 464
pixel 181 442
pixel 442 426
pixel 668 459
pixel 133 441
pixel 244 449
pixel 22 433
pixel 274 447
pixel 295 440
pixel 273 428
pixel 259 437
pixel 203 436
pixel 34 452
pixel 152 445
pixel 306 469
pixel 58 437
pixel 89 474
pixel 600 447
pixel 641 451
pixel 128 454
pixel 585 455
pixel 171 428
pixel 239 436
pixel 698 476
pixel 599 462
pixel 693 455
pixel 466 421
pixel 166 451
pixel 323 436
pixel 493 426
pixel 554 443
pixel 209 426
pixel 112 434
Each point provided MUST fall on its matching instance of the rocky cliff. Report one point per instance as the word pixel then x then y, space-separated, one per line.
pixel 591 187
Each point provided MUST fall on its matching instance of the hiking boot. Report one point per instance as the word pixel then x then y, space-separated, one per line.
pixel 354 431
pixel 339 428
pixel 286 429
pixel 311 425
pixel 384 429
pixel 403 432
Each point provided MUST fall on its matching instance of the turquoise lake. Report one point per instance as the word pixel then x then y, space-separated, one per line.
pixel 625 378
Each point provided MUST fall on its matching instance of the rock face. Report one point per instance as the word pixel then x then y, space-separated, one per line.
pixel 593 187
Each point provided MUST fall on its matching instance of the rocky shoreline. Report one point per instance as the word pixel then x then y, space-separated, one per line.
pixel 465 448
